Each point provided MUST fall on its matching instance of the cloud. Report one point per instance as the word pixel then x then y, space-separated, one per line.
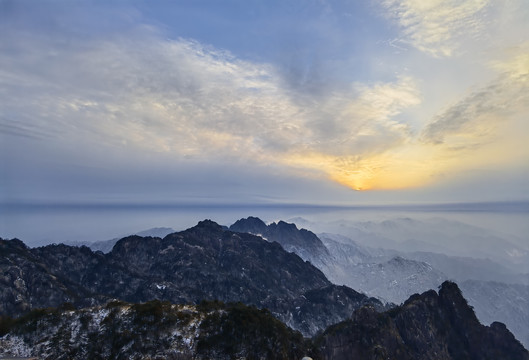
pixel 177 96
pixel 353 134
pixel 484 130
pixel 437 26
pixel 475 119
pixel 133 95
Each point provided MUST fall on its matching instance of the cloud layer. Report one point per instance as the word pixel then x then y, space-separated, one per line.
pixel 192 101
pixel 136 91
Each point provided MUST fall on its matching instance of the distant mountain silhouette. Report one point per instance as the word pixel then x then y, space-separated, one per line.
pixel 300 241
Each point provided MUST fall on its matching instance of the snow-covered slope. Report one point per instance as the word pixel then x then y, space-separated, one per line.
pixel 437 235
pixel 495 301
pixel 380 273
pixel 152 330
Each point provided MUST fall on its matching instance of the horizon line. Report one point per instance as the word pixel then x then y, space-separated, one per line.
pixel 467 206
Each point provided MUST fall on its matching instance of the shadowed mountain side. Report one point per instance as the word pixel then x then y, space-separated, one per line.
pixel 204 262
pixel 30 280
pixel 428 326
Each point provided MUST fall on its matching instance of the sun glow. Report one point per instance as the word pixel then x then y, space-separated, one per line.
pixel 404 168
pixel 412 165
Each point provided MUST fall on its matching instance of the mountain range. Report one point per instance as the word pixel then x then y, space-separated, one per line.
pixel 432 325
pixel 393 275
pixel 431 235
pixel 61 301
pixel 205 262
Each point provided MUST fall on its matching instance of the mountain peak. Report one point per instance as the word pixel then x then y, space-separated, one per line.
pixel 449 289
pixel 287 234
pixel 451 298
pixel 251 224
pixel 208 225
pixel 285 225
pixel 13 243
pixel 426 326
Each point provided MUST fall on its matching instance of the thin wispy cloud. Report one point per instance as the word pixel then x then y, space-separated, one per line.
pixel 479 114
pixel 476 118
pixel 192 100
pixel 436 26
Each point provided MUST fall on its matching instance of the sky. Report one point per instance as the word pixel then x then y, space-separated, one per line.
pixel 275 102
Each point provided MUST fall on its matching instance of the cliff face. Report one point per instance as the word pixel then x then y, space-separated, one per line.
pixel 428 326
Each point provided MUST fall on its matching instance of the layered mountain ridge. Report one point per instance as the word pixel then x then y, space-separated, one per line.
pixel 394 276
pixel 432 325
pixel 300 241
pixel 205 262
pixel 209 262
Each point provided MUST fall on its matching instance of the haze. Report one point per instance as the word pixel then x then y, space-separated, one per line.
pixel 261 103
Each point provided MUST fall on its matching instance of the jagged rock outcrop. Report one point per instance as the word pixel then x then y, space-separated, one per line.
pixel 428 326
pixel 300 241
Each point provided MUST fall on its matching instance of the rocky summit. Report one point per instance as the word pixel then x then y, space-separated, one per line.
pixel 432 325
pixel 303 242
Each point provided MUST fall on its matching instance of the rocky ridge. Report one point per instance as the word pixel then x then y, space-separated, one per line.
pixel 394 276
pixel 432 325
pixel 205 262
pixel 300 241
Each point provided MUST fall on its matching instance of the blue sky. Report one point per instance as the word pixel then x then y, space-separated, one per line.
pixel 323 102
